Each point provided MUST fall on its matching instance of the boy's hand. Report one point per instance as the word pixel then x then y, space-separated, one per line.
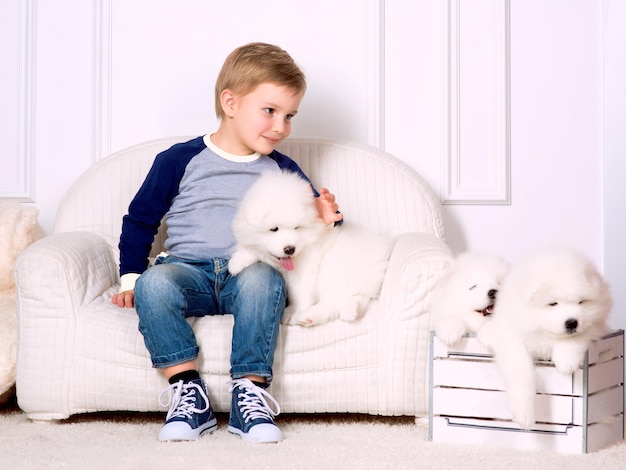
pixel 327 208
pixel 124 299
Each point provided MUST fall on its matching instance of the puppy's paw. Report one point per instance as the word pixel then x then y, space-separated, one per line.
pixel 449 330
pixel 289 317
pixel 349 314
pixel 526 420
pixel 523 409
pixel 316 315
pixel 523 413
pixel 306 321
pixel 353 308
pixel 567 364
pixel 239 261
pixel 485 335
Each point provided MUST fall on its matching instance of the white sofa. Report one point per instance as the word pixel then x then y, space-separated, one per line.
pixel 79 353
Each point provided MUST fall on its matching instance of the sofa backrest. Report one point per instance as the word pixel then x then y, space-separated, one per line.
pixel 372 187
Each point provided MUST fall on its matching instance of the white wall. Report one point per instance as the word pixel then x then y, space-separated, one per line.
pixel 614 145
pixel 96 76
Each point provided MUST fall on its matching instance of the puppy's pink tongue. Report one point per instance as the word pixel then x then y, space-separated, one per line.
pixel 287 263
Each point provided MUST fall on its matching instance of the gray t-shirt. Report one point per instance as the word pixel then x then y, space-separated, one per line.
pixel 199 220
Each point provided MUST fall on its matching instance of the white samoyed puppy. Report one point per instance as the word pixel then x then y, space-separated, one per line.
pixel 330 272
pixel 551 305
pixel 465 295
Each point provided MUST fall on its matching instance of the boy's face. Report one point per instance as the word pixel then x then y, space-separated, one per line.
pixel 261 119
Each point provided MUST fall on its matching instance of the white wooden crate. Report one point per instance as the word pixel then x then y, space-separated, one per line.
pixel 577 413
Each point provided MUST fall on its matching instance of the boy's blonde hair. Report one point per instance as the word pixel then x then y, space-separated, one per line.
pixel 251 65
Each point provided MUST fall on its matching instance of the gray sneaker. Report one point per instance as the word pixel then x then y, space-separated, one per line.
pixel 190 414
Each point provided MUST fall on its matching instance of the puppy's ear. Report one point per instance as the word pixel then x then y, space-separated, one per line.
pixel 538 296
pixel 256 213
pixel 593 277
pixel 503 270
pixel 600 289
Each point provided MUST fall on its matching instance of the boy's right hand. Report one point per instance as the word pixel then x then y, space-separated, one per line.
pixel 327 208
pixel 124 299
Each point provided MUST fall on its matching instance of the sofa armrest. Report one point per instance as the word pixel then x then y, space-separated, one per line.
pixel 64 270
pixel 415 264
pixel 54 278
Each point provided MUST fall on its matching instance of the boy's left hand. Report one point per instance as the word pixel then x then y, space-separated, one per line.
pixel 327 208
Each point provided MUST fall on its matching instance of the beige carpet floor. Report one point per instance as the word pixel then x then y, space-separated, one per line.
pixel 129 441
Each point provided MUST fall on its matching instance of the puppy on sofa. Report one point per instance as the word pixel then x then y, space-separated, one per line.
pixel 330 273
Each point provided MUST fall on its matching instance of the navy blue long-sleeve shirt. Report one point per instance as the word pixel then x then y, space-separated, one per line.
pixel 197 188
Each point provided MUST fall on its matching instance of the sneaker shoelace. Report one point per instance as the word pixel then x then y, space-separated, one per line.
pixel 182 399
pixel 253 401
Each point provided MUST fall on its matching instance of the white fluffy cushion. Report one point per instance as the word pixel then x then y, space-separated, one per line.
pixel 18 229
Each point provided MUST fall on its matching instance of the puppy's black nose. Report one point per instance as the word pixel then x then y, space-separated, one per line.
pixel 571 325
pixel 492 293
pixel 289 250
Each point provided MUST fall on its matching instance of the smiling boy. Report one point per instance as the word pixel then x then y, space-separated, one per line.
pixel 197 186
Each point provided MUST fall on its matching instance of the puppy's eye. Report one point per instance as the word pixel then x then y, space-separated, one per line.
pixel 274 229
pixel 473 287
pixel 582 302
pixel 553 304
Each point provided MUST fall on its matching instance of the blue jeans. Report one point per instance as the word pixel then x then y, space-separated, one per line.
pixel 175 289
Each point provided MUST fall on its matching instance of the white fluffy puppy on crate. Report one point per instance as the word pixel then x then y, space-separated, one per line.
pixel 551 306
pixel 465 295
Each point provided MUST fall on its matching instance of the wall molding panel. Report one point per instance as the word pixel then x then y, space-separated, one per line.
pixel 103 30
pixel 477 167
pixel 21 183
pixel 102 79
pixel 375 122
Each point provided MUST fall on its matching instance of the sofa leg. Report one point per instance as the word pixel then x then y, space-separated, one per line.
pixel 40 418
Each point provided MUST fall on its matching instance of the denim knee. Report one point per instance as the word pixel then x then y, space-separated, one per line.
pixel 162 309
pixel 258 306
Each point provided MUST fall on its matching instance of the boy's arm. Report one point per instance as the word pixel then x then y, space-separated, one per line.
pixel 139 228
pixel 145 213
pixel 151 203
